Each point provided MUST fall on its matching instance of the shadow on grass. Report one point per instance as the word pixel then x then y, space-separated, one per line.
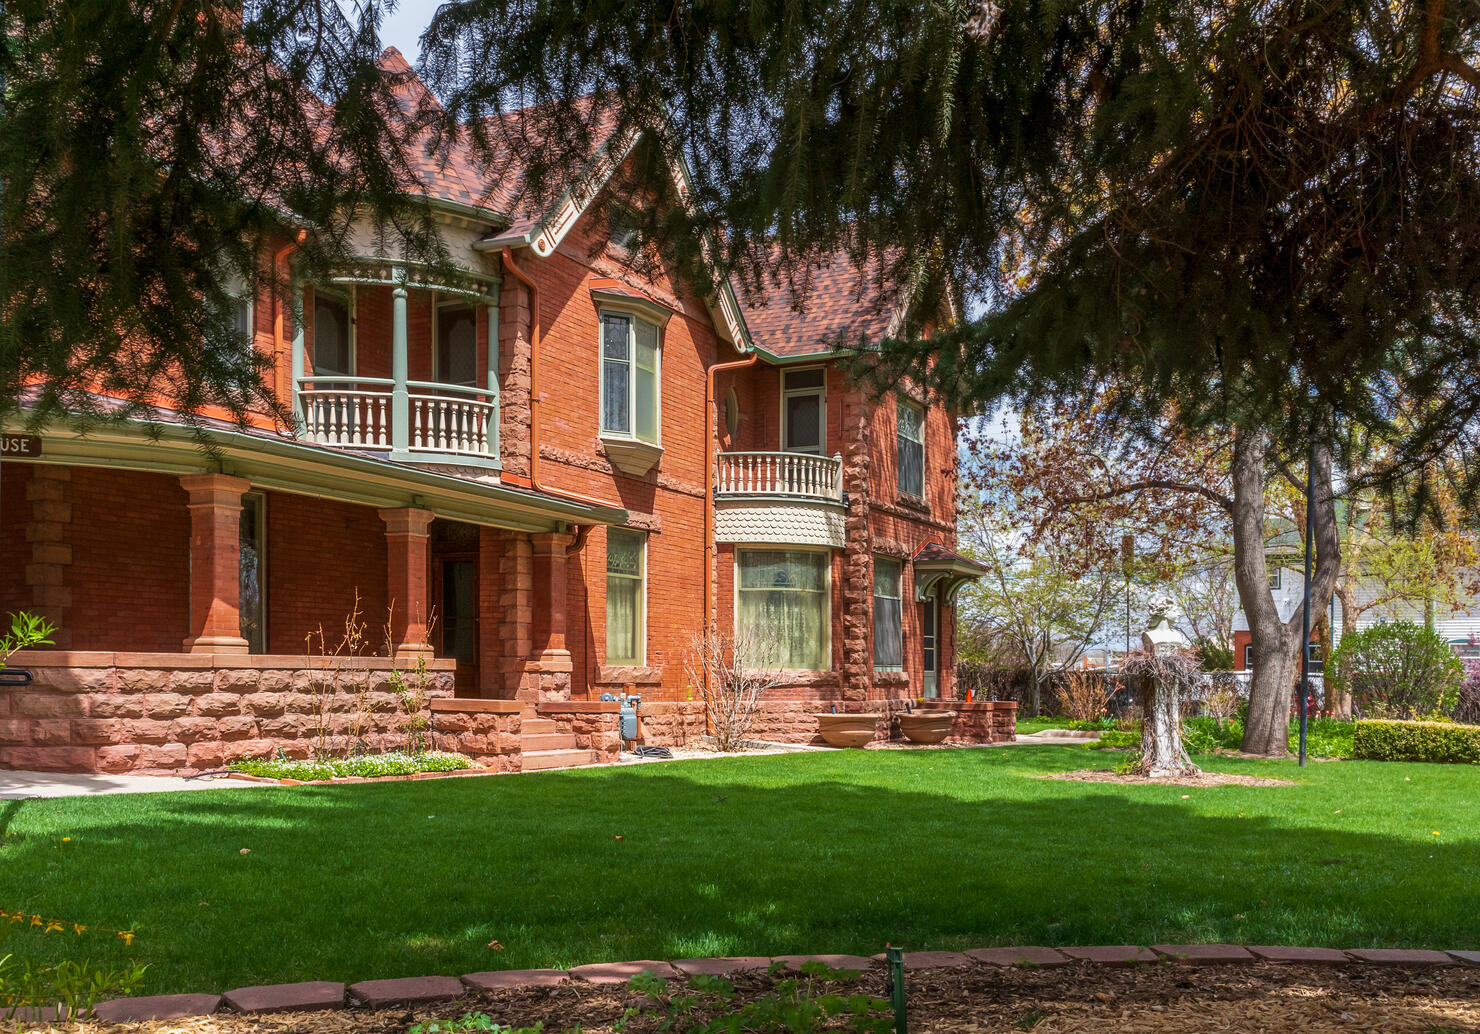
pixel 815 853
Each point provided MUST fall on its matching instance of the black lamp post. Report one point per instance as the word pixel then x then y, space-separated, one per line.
pixel 1305 607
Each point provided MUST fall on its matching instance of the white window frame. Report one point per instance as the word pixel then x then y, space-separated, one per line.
pixel 1276 577
pixel 821 392
pixel 1248 656
pixel 347 298
pixel 642 609
pixel 632 316
pixel 900 598
pixel 452 303
pixel 243 291
pixel 827 591
pixel 904 402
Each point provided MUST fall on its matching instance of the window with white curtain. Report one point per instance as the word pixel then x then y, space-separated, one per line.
pixel 630 360
pixel 626 600
pixel 910 442
pixel 888 616
pixel 783 598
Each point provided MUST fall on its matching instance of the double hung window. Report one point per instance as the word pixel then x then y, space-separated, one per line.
pixel 910 445
pixel 803 406
pixel 626 574
pixel 630 363
pixel 888 616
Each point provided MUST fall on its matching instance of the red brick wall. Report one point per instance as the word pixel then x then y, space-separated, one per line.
pixel 15 549
pixel 319 553
pixel 668 501
pixel 130 571
pixel 122 561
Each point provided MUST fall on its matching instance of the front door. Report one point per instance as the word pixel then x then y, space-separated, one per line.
pixel 458 618
pixel 930 655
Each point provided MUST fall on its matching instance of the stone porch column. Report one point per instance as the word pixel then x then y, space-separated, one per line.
pixel 547 673
pixel 215 562
pixel 406 578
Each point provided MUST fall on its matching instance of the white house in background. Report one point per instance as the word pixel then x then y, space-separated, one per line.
pixel 1287 581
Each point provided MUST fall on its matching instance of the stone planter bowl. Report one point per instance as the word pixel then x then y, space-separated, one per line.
pixel 926 726
pixel 847 730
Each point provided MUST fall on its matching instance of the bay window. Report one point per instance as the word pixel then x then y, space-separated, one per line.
pixel 626 600
pixel 888 616
pixel 910 449
pixel 783 599
pixel 630 361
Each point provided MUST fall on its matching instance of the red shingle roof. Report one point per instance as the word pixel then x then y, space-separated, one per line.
pixel 842 302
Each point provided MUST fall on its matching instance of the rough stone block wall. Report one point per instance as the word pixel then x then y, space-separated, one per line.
pixel 489 736
pixel 595 731
pixel 122 713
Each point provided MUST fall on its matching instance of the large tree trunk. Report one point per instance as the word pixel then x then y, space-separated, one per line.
pixel 1162 753
pixel 1276 643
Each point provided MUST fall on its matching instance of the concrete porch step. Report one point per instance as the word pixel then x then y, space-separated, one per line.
pixel 537 760
pixel 539 727
pixel 546 741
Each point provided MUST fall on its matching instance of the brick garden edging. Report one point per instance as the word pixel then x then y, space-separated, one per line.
pixel 377 994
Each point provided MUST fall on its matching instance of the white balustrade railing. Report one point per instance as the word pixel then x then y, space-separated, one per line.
pixel 779 473
pixel 451 419
pixel 361 413
pixel 347 413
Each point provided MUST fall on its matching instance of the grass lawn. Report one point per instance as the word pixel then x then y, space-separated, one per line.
pixel 826 852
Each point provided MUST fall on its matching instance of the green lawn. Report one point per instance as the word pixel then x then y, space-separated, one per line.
pixel 826 852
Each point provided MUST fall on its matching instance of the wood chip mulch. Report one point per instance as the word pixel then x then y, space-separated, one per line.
pixel 1093 775
pixel 1077 999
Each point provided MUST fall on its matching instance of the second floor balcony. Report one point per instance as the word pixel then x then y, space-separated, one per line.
pixel 425 417
pixel 387 363
pixel 784 475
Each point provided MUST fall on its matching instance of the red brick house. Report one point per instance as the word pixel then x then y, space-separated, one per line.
pixel 573 469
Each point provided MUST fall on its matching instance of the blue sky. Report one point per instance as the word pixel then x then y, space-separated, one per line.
pixel 402 27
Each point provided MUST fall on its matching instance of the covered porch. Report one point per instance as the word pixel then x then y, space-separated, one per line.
pixel 165 579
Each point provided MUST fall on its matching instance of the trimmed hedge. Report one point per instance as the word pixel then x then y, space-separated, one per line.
pixel 1378 740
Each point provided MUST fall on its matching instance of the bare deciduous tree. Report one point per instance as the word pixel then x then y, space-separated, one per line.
pixel 731 672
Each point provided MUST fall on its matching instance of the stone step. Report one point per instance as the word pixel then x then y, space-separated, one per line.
pixel 540 727
pixel 537 760
pixel 546 741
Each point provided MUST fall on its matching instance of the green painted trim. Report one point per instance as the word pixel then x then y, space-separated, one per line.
pixel 290 466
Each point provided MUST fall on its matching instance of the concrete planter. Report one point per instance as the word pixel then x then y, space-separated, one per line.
pixel 926 726
pixel 847 730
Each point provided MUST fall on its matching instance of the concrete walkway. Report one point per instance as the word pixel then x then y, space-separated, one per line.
pixel 1064 736
pixel 20 786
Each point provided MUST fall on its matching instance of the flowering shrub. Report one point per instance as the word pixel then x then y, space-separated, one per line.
pixel 1467 704
pixel 1398 670
pixel 366 765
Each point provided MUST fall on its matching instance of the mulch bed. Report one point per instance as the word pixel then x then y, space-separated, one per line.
pixel 1092 775
pixel 1159 999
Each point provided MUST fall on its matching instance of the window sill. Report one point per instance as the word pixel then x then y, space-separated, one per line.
pixel 628 674
pixel 912 502
pixel 631 456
